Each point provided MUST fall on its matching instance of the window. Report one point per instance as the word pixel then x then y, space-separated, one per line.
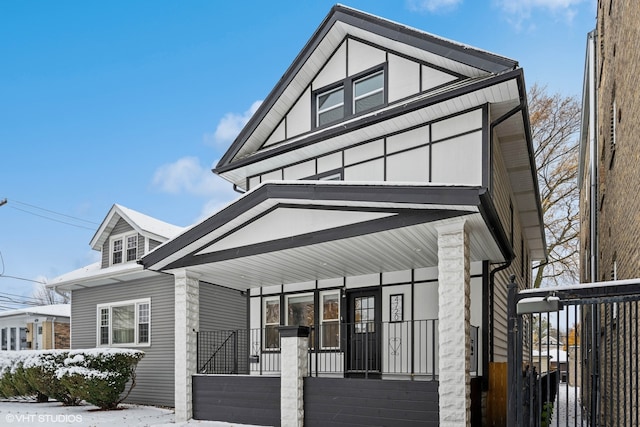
pixel 124 323
pixel 124 249
pixel 330 106
pixel 368 92
pixel 330 320
pixel 4 339
pixel 353 95
pixel 271 323
pixel 116 253
pixel 301 311
pixel 132 248
pixel 365 314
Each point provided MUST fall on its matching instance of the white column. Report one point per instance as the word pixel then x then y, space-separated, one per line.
pixel 187 322
pixel 294 361
pixel 454 324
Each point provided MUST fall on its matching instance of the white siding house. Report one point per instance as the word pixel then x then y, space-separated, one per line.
pixel 388 176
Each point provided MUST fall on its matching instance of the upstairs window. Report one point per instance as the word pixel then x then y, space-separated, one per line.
pixel 124 249
pixel 354 95
pixel 330 106
pixel 368 92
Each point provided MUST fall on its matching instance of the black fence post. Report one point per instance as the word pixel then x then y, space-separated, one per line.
pixel 513 370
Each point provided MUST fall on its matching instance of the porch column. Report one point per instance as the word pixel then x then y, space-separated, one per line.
pixel 454 340
pixel 187 322
pixel 294 361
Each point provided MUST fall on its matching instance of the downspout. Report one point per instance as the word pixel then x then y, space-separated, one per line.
pixel 593 163
pixel 235 188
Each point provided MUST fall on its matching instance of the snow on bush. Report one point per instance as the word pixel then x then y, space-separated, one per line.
pixel 98 376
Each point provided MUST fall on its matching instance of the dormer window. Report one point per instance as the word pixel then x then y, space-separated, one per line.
pixel 124 249
pixel 351 96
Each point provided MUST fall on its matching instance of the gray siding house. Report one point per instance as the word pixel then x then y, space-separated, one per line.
pixel 117 303
pixel 390 191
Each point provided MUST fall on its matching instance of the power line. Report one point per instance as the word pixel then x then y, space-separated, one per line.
pixel 47 214
pixel 53 219
pixel 53 212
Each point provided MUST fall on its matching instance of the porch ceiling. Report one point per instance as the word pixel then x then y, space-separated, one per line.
pixel 292 232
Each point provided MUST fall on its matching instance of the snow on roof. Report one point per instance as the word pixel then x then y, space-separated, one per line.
pixel 55 310
pixel 554 355
pixel 94 271
pixel 150 224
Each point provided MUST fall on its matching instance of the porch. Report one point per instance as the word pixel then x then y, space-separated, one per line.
pixel 405 350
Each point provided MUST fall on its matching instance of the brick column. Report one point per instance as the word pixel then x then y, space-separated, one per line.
pixel 187 322
pixel 294 361
pixel 454 324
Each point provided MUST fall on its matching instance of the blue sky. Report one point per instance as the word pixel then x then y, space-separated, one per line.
pixel 132 102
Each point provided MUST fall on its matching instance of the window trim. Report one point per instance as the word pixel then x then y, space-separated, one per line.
pixel 124 238
pixel 348 85
pixel 136 328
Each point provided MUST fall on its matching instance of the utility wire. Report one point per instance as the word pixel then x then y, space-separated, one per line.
pixel 53 212
pixel 53 219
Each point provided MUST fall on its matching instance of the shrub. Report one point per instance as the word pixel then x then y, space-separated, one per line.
pixel 40 371
pixel 98 376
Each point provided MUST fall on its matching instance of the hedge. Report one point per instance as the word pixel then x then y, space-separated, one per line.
pixel 98 376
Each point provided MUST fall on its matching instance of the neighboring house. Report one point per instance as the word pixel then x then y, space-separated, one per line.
pixel 609 180
pixel 117 303
pixel 41 327
pixel 390 193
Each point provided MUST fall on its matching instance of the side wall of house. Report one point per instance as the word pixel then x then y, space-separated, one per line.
pixel 506 205
pixel 155 373
pixel 221 308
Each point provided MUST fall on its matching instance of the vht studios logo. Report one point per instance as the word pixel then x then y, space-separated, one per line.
pixel 43 418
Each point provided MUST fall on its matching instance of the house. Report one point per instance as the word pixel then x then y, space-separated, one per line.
pixel 41 327
pixel 389 193
pixel 117 303
pixel 608 182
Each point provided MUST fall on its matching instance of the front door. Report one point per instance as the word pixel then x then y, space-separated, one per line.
pixel 363 333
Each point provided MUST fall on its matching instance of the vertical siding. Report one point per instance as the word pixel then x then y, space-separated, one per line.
pixel 155 373
pixel 221 308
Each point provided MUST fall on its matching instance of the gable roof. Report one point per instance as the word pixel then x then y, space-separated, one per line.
pixel 341 22
pixel 141 223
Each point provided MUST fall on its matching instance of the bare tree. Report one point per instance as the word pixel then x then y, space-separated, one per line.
pixel 555 122
pixel 47 296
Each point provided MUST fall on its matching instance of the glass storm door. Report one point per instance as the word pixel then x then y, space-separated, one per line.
pixel 364 333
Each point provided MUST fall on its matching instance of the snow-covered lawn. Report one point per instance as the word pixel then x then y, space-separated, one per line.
pixel 21 414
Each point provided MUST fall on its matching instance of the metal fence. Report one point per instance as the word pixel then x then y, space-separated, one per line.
pixel 574 355
pixel 403 349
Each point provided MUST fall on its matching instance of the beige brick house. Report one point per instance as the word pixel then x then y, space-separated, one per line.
pixel 610 208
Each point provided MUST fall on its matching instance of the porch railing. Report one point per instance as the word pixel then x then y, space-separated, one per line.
pixel 367 349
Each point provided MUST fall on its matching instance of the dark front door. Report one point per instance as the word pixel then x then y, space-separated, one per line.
pixel 363 333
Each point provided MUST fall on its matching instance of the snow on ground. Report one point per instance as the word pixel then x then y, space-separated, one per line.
pixel 23 414
pixel 567 411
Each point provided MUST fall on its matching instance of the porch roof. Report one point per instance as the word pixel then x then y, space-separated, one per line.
pixel 291 232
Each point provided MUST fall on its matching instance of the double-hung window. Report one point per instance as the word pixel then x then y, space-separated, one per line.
pixel 330 320
pixel 351 96
pixel 301 312
pixel 368 92
pixel 330 106
pixel 124 323
pixel 124 249
pixel 271 323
